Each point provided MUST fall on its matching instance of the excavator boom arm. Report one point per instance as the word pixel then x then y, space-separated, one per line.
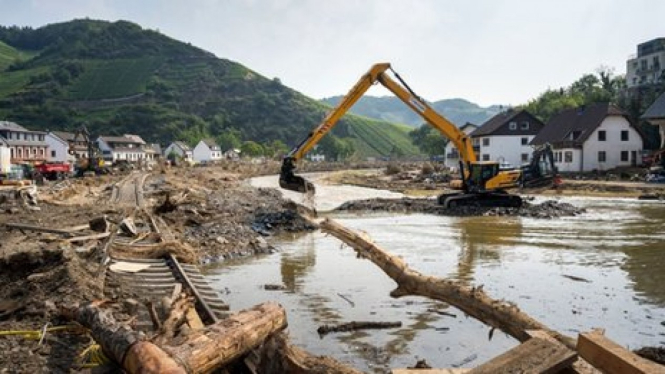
pixel 365 82
pixel 290 181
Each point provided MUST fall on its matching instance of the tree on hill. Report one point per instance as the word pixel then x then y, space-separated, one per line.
pixel 429 140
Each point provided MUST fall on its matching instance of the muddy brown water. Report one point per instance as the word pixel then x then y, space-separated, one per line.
pixel 605 268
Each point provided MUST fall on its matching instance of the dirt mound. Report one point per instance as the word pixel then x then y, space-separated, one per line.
pixel 547 209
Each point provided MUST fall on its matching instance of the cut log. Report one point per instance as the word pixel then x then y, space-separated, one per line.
pixel 612 358
pixel 201 351
pixel 122 344
pixel 227 340
pixel 472 300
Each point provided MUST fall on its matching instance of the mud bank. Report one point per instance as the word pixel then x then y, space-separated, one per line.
pixel 546 209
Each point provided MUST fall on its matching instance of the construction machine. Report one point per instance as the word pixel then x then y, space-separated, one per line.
pixel 92 163
pixel 541 171
pixel 481 182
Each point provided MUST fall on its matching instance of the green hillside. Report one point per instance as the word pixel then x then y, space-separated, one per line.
pixel 119 78
pixel 392 109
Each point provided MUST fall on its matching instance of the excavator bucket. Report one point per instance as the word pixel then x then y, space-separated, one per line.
pixel 289 181
pixel 296 183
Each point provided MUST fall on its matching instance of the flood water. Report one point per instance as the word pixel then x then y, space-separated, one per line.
pixel 605 268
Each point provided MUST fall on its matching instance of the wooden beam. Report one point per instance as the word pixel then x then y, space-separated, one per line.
pixel 534 356
pixel 611 358
pixel 22 226
pixel 89 237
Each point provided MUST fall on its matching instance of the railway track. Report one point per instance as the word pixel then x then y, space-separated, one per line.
pixel 129 191
pixel 152 279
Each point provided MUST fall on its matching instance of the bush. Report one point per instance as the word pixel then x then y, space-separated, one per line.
pixel 393 169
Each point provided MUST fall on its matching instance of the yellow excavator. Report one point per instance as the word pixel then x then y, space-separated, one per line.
pixel 482 182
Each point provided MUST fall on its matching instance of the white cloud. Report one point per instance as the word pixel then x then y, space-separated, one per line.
pixel 502 51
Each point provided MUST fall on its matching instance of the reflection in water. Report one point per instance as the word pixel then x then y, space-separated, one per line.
pixel 616 247
pixel 294 266
pixel 479 240
pixel 644 262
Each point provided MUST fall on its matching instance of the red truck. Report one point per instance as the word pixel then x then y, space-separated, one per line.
pixel 54 171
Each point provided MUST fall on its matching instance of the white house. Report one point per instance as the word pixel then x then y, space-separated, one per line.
pixel 181 150
pixel 451 152
pixel 207 150
pixel 58 146
pixel 593 137
pixel 5 157
pixel 121 148
pixel 506 137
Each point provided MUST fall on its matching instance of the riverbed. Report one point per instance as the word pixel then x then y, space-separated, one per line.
pixel 603 268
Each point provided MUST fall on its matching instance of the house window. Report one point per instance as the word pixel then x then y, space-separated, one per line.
pixel 525 125
pixel 624 135
pixel 525 157
pixel 624 156
pixel 486 157
pixel 525 141
pixel 513 125
pixel 602 136
pixel 486 142
pixel 602 156
pixel 568 156
pixel 53 154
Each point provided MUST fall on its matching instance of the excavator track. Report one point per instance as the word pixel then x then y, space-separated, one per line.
pixel 492 199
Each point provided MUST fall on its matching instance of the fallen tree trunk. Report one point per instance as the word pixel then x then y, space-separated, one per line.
pixel 472 300
pixel 122 344
pixel 202 351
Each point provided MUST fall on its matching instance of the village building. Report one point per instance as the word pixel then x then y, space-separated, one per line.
pixel 451 153
pixel 232 154
pixel 5 157
pixel 506 137
pixel 180 150
pixel 207 150
pixel 25 146
pixel 153 152
pixel 592 138
pixel 122 148
pixel 66 146
pixel 648 66
pixel 655 115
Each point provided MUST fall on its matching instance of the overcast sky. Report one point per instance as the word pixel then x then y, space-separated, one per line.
pixel 488 52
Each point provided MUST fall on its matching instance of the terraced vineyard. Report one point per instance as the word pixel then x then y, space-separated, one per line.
pixel 114 78
pixel 372 138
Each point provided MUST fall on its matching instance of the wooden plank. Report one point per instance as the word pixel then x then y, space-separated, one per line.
pixel 429 371
pixel 580 366
pixel 536 355
pixel 612 358
pixel 89 237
